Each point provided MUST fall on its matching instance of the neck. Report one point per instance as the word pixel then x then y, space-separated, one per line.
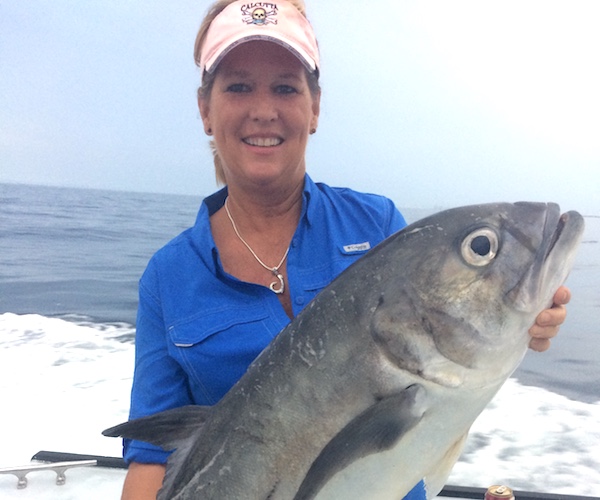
pixel 269 212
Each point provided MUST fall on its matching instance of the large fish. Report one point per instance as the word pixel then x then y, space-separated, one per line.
pixel 375 384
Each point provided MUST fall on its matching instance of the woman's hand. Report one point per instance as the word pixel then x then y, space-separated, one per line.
pixel 548 321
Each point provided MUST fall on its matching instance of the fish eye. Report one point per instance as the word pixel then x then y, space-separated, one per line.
pixel 480 247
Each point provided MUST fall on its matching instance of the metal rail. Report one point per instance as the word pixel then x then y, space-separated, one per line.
pixel 60 468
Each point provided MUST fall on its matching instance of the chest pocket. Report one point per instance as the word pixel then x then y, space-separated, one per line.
pixel 216 348
pixel 319 277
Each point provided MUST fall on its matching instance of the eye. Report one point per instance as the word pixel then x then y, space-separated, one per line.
pixel 285 89
pixel 238 87
pixel 480 247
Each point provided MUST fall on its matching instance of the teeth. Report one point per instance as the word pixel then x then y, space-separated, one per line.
pixel 263 142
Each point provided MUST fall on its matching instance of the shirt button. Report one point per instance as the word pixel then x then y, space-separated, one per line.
pixel 299 300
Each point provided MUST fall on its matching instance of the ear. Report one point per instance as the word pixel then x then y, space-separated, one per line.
pixel 204 114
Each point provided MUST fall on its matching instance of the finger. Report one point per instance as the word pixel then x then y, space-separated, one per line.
pixel 555 316
pixel 539 344
pixel 562 296
pixel 543 332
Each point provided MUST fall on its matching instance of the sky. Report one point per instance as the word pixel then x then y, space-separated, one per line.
pixel 433 103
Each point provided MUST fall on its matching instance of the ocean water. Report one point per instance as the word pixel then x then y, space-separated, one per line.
pixel 69 264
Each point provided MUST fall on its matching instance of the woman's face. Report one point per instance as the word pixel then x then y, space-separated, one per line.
pixel 260 111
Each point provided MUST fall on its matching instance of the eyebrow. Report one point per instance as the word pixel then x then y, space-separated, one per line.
pixel 236 73
pixel 290 76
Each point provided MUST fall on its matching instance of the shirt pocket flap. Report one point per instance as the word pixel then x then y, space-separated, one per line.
pixel 202 326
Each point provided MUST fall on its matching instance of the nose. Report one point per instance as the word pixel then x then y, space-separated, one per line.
pixel 263 108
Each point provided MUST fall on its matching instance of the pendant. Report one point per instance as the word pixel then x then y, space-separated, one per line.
pixel 279 276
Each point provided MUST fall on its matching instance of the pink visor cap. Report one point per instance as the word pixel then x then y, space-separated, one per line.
pixel 242 21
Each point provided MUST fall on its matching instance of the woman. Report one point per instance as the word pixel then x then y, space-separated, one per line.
pixel 265 245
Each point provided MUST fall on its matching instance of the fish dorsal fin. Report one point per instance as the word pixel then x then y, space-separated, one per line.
pixel 168 429
pixel 171 430
pixel 378 428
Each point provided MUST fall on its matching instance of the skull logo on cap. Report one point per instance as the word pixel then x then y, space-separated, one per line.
pixel 259 16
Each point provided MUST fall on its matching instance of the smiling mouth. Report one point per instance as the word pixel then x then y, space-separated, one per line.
pixel 263 142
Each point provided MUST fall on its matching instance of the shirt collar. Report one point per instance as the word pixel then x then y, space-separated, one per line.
pixel 216 200
pixel 309 204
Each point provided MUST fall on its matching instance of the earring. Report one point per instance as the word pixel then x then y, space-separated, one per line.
pixel 313 130
pixel 209 131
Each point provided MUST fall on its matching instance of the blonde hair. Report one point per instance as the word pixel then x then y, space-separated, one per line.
pixel 209 78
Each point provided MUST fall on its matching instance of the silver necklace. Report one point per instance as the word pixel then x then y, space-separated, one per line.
pixel 274 270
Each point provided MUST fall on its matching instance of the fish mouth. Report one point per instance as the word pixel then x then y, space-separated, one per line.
pixel 561 235
pixel 562 222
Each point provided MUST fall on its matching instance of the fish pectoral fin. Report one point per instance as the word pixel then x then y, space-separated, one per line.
pixel 167 429
pixel 377 429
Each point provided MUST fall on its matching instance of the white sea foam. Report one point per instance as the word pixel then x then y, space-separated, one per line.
pixel 63 382
pixel 533 439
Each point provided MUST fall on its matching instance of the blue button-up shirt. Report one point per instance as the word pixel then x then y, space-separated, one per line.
pixel 198 328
